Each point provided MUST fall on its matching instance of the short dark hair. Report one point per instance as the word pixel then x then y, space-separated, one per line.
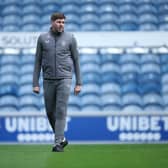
pixel 57 15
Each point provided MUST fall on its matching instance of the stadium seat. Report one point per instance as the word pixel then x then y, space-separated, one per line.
pixel 150 58
pixel 150 67
pixel 91 89
pixel 91 101
pixel 153 102
pixel 9 101
pixel 90 58
pixel 89 27
pixel 9 89
pixel 111 102
pixel 128 22
pixel 130 68
pixel 74 103
pixel 91 78
pixel 31 9
pixel 11 10
pixel 132 101
pixel 90 67
pixel 29 102
pixel 111 88
pixel 129 58
pixel 130 87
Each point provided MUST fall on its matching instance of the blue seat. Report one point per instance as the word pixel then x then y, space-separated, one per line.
pixel 49 7
pixel 111 102
pixel 27 68
pixel 9 69
pixel 45 19
pixel 11 10
pixel 150 67
pixel 148 27
pixel 147 8
pixel 11 20
pixel 148 18
pixel 130 68
pixel 108 8
pixel 150 77
pixel 163 58
pixel 163 27
pixel 91 101
pixel 129 58
pixel 45 27
pixel 10 59
pixel 128 22
pixel 29 101
pixel 164 79
pixel 164 89
pixel 130 77
pixel 31 19
pixel 26 79
pixel 9 89
pixel 153 102
pixel 73 18
pixel 89 18
pixel 165 101
pixel 89 7
pixel 31 9
pixel 26 89
pixel 91 78
pixel 90 58
pixel 90 68
pixel 31 2
pixel 91 89
pixel 9 101
pixel 107 57
pixel 70 8
pixel 9 109
pixel 74 102
pixel 11 28
pixel 130 87
pixel 110 67
pixel 89 27
pixel 110 88
pixel 150 58
pixel 30 27
pixel 72 27
pixel 132 101
pixel 151 87
pixel 109 27
pixel 127 8
pixel 9 79
pixel 109 18
pixel 27 59
pixel 12 2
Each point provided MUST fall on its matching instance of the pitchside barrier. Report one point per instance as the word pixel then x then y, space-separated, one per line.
pixel 112 127
pixel 101 127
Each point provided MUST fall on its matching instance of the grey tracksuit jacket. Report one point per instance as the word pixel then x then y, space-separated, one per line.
pixel 57 55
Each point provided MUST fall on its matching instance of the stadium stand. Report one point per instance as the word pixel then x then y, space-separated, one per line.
pixel 111 81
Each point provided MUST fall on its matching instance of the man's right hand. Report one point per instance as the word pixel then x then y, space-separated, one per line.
pixel 36 89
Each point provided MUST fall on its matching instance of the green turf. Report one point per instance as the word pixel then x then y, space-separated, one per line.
pixel 85 156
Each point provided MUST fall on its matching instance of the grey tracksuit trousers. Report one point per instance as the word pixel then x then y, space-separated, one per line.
pixel 56 94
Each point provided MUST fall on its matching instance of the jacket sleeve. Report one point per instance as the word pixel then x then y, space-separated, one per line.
pixel 75 57
pixel 37 64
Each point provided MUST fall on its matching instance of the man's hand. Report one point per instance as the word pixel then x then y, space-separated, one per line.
pixel 77 89
pixel 36 89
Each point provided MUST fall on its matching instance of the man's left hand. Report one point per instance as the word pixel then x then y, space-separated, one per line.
pixel 77 89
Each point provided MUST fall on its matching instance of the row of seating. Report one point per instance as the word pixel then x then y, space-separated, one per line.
pixel 128 82
pixel 103 15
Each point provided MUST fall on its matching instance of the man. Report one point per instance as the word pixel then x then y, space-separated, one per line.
pixel 57 55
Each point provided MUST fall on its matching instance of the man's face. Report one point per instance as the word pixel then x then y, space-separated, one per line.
pixel 58 25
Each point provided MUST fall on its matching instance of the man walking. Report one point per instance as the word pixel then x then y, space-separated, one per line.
pixel 57 55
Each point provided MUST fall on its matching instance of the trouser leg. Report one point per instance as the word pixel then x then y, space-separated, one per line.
pixel 50 101
pixel 62 96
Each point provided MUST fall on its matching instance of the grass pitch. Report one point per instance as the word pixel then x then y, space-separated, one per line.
pixel 85 156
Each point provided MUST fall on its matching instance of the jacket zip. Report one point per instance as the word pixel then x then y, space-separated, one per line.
pixel 55 69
